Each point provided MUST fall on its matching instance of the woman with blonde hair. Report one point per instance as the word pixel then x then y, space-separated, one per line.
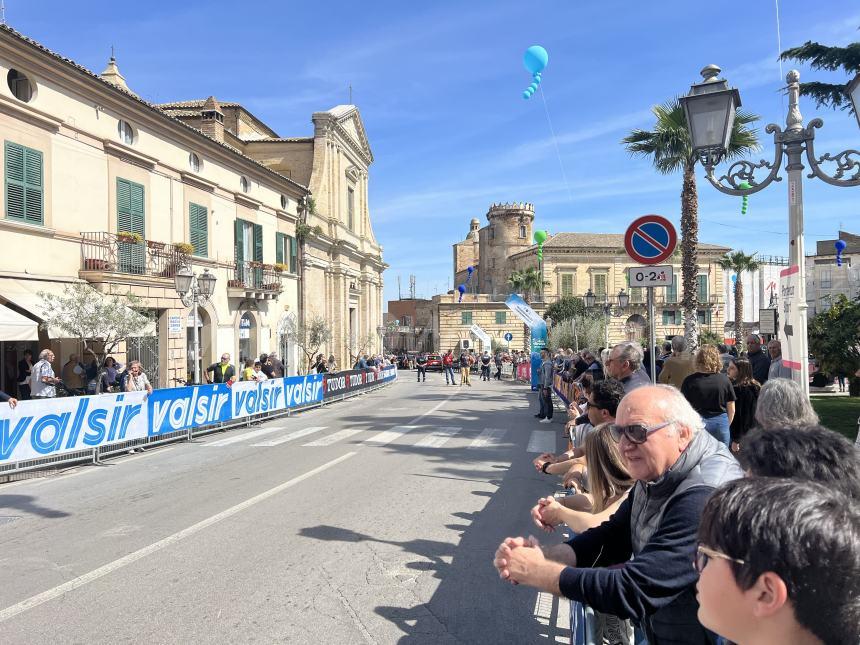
pixel 711 393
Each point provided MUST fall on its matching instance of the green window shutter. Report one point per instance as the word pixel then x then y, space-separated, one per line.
pixel 501 317
pixel 294 254
pixel 466 317
pixel 130 218
pixel 258 243
pixel 280 240
pixel 566 284
pixel 702 281
pixel 24 183
pixel 600 285
pixel 672 292
pixel 666 317
pixel 240 241
pixel 138 213
pixel 198 224
pixel 636 294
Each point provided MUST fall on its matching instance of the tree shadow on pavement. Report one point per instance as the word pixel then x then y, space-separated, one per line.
pixel 26 504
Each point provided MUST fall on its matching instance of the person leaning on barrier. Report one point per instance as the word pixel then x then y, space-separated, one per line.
pixel 782 404
pixel 652 535
pixel 779 563
pixel 137 380
pixel 625 364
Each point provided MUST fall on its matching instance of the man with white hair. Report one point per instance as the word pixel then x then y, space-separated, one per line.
pixel 625 364
pixel 637 564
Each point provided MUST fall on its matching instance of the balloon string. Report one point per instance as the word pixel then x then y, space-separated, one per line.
pixel 555 142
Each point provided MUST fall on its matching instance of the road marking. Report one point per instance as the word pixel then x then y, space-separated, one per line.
pixel 541 441
pixel 95 574
pixel 487 437
pixel 389 435
pixel 333 438
pixel 244 437
pixel 432 410
pixel 298 434
pixel 438 438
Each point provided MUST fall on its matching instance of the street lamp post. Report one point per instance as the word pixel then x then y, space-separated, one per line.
pixel 195 290
pixel 623 299
pixel 710 110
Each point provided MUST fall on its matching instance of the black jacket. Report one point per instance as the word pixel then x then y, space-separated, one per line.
pixel 217 377
pixel 745 405
pixel 760 363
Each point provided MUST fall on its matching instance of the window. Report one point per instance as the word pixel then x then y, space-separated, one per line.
pixel 350 208
pixel 501 317
pixel 636 295
pixel 198 223
pixel 671 317
pixel 566 284
pixel 492 233
pixel 704 316
pixel 194 162
pixel 131 218
pixel 599 286
pixel 126 132
pixel 24 185
pixel 702 281
pixel 19 85
pixel 672 291
pixel 249 248
pixel 286 251
pixel 284 202
pixel 825 279
pixel 244 184
pixel 522 231
pixel 465 317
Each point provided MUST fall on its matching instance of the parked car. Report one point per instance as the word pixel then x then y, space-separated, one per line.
pixel 434 362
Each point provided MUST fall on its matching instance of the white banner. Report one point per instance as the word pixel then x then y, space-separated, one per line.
pixel 39 428
pixel 480 334
pixel 789 320
pixel 525 313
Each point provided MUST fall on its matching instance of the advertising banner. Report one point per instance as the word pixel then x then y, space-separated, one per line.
pixel 351 381
pixel 480 334
pixel 42 428
pixel 525 313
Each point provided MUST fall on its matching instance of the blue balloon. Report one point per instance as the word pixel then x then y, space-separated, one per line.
pixel 535 58
pixel 533 87
pixel 470 269
pixel 840 245
pixel 462 288
pixel 734 278
pixel 527 94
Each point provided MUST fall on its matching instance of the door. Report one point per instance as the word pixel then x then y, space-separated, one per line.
pixel 131 218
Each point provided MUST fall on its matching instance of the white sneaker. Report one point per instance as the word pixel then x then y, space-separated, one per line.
pixel 545 421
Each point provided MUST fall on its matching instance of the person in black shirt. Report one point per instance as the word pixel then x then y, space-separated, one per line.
pixel 746 389
pixel 711 394
pixel 24 367
pixel 486 359
pixel 759 360
pixel 421 361
pixel 222 372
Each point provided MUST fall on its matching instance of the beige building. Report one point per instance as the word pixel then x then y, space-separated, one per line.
pixel 86 161
pixel 573 264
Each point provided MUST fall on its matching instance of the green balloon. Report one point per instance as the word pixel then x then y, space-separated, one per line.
pixel 540 237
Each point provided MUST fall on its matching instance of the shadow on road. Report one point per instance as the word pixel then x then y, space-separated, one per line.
pixel 26 504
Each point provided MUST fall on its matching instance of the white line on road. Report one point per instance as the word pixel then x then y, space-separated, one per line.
pixel 244 437
pixel 541 441
pixel 333 438
pixel 487 437
pixel 438 438
pixel 80 581
pixel 298 434
pixel 389 435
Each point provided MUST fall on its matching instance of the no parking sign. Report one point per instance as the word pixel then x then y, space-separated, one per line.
pixel 650 239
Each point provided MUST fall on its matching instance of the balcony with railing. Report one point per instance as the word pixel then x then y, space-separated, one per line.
pixel 249 279
pixel 104 253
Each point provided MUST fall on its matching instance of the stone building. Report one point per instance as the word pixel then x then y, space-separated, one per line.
pixel 573 264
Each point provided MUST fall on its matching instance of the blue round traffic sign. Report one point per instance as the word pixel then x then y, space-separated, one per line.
pixel 650 239
pixel 509 337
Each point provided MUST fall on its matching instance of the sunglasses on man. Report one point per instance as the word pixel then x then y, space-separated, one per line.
pixel 636 433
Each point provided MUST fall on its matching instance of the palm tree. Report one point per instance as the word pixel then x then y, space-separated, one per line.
pixel 818 56
pixel 669 147
pixel 739 262
pixel 532 282
pixel 515 281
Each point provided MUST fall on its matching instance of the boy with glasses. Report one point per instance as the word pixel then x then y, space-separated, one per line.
pixel 779 562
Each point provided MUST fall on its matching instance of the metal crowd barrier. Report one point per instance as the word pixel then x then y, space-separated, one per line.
pixel 8 471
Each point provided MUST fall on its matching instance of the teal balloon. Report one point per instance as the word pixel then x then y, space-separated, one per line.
pixel 533 87
pixel 535 59
pixel 527 94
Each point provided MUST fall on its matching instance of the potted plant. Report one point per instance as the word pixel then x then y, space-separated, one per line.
pixel 280 267
pixel 183 247
pixel 129 238
pixel 235 283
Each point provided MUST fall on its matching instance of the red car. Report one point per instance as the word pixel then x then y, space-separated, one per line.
pixel 434 362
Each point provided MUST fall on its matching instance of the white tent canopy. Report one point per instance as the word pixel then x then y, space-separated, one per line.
pixel 14 326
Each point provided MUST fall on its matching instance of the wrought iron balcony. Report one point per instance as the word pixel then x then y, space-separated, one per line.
pixel 251 279
pixel 103 252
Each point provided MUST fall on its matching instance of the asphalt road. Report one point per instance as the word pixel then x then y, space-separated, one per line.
pixel 373 520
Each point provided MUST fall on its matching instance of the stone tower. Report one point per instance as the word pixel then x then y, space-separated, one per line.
pixel 466 254
pixel 509 231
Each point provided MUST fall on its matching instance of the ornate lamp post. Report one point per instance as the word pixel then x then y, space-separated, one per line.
pixel 623 299
pixel 195 290
pixel 710 108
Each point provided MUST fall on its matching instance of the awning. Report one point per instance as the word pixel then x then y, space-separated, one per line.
pixel 14 326
pixel 25 294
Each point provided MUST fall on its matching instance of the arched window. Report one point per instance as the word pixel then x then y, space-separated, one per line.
pixel 20 86
pixel 194 162
pixel 126 132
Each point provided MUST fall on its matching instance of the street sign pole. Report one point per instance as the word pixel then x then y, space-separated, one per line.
pixel 652 333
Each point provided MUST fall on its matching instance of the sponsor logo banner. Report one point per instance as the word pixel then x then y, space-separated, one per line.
pixel 350 381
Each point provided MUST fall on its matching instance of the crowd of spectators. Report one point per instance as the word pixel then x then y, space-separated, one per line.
pixel 710 508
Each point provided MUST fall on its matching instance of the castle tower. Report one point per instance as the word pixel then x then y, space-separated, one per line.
pixel 466 254
pixel 509 231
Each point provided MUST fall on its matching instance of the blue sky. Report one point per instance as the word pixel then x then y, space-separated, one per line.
pixel 439 88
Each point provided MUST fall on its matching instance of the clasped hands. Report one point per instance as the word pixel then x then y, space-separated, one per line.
pixel 522 561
